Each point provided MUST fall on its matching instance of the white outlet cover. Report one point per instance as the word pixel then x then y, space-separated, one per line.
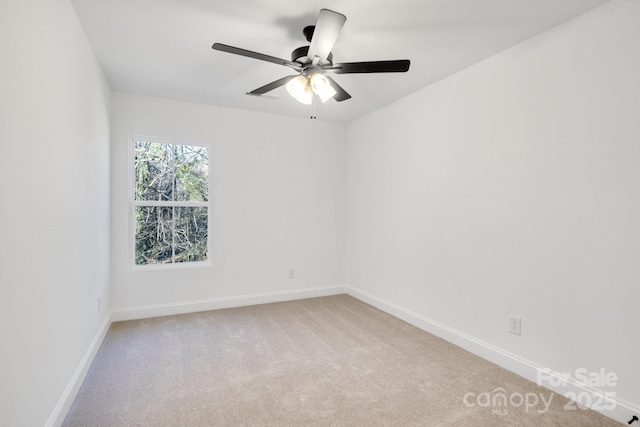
pixel 515 325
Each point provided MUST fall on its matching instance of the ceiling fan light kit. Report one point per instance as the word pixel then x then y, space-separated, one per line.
pixel 313 61
pixel 302 88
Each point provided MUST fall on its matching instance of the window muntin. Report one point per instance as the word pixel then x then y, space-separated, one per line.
pixel 170 206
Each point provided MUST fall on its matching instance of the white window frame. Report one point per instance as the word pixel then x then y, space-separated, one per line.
pixel 133 203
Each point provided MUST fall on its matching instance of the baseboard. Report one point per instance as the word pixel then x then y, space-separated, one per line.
pixel 66 400
pixel 622 410
pixel 144 312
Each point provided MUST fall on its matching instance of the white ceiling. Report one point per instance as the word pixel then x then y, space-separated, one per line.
pixel 163 47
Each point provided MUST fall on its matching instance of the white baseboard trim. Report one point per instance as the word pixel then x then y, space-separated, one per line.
pixel 66 400
pixel 148 311
pixel 621 411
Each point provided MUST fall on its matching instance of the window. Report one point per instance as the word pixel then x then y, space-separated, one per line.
pixel 170 202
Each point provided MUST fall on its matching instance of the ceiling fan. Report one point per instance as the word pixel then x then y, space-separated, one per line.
pixel 314 61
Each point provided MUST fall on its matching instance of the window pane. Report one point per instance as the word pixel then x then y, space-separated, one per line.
pixel 153 235
pixel 191 173
pixel 154 171
pixel 168 179
pixel 191 234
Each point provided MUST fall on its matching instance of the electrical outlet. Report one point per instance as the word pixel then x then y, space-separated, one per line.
pixel 99 303
pixel 515 324
pixel 292 273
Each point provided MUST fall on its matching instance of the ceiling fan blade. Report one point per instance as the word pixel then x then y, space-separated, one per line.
pixel 271 86
pixel 325 34
pixel 255 55
pixel 398 66
pixel 341 94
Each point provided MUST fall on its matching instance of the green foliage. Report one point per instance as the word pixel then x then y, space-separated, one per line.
pixel 171 173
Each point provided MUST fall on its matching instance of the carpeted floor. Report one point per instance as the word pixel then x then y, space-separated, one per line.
pixel 331 361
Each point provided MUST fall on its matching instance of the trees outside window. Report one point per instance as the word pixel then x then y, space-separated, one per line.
pixel 170 201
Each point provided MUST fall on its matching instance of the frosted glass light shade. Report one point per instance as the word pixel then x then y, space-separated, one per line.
pixel 318 82
pixel 327 93
pixel 296 86
pixel 322 87
pixel 307 96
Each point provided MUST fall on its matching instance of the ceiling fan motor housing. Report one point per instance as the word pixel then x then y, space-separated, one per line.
pixel 300 56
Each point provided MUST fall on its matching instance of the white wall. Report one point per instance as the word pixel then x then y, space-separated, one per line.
pixel 279 202
pixel 513 187
pixel 54 220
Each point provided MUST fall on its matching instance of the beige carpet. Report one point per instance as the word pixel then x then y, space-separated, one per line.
pixel 332 361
